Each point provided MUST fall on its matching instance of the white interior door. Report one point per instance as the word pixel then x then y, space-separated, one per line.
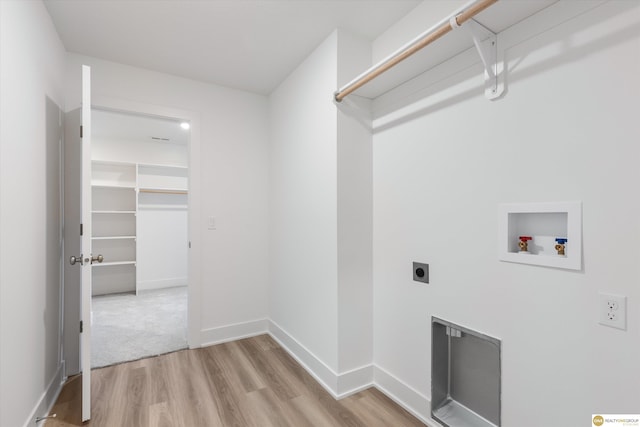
pixel 85 245
pixel 77 235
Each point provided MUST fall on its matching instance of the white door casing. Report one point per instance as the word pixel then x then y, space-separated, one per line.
pixel 123 105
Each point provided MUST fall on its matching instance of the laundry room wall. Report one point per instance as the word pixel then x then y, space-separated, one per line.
pixel 445 158
pixel 32 85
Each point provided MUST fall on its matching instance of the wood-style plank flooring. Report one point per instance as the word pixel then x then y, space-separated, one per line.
pixel 250 382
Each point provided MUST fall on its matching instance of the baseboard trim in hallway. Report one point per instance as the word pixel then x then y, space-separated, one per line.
pixel 48 398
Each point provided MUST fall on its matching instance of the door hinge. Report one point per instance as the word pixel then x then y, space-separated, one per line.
pixel 453 332
pixel 80 131
pixel 81 229
pixel 189 244
pixel 81 328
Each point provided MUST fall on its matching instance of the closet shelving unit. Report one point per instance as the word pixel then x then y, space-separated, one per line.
pixel 118 190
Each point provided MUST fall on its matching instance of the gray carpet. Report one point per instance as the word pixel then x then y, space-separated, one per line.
pixel 128 327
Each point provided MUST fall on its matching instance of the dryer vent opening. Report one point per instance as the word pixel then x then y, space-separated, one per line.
pixel 465 376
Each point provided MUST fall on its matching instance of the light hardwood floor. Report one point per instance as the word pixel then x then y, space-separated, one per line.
pixel 250 382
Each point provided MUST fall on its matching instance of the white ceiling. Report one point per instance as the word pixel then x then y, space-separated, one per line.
pixel 245 44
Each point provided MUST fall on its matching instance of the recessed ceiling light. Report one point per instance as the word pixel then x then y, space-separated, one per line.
pixel 185 125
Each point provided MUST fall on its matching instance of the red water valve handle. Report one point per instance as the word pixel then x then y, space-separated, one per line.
pixel 525 238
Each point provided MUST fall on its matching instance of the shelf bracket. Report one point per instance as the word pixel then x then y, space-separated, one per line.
pixel 486 43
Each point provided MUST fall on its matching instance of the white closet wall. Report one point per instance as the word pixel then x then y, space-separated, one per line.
pixel 162 227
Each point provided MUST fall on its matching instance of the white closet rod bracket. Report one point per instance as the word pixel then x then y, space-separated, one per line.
pixel 486 43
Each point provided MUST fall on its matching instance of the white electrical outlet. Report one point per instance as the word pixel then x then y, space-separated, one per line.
pixel 613 310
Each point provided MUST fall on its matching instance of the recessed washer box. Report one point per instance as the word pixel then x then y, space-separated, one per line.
pixel 465 376
pixel 543 223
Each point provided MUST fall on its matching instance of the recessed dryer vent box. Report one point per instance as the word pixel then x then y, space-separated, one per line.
pixel 465 376
pixel 544 225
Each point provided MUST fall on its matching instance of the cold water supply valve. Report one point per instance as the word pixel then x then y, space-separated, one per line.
pixel 560 243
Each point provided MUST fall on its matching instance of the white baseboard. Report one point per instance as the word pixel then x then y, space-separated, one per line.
pixel 404 395
pixel 354 381
pixel 48 398
pixel 233 332
pixel 147 285
pixel 314 366
pixel 338 385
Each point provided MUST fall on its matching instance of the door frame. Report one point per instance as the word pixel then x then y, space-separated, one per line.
pixel 194 288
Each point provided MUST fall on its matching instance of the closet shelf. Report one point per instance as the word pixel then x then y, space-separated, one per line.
pixel 114 238
pixel 133 164
pixel 165 207
pixel 113 212
pixel 152 165
pixel 110 264
pixel 164 190
pixel 109 185
pixel 112 163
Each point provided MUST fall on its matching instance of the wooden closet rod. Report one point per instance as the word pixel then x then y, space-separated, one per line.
pixel 424 40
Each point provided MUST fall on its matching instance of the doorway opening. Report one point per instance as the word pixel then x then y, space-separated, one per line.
pixel 140 169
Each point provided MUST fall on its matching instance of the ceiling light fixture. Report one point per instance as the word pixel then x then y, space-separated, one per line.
pixel 185 125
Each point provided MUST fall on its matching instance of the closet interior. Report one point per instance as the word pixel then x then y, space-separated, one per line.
pixel 139 189
pixel 139 202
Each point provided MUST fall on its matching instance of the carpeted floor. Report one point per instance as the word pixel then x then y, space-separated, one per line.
pixel 128 327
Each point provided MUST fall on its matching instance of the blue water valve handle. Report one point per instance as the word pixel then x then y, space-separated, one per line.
pixel 561 241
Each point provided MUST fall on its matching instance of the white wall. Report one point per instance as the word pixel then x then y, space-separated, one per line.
pixel 567 130
pixel 232 188
pixel 138 151
pixel 31 81
pixel 302 245
pixel 162 241
pixel 422 17
pixel 355 220
pixel 320 215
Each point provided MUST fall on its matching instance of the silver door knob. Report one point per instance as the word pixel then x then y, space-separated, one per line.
pixel 98 258
pixel 75 259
